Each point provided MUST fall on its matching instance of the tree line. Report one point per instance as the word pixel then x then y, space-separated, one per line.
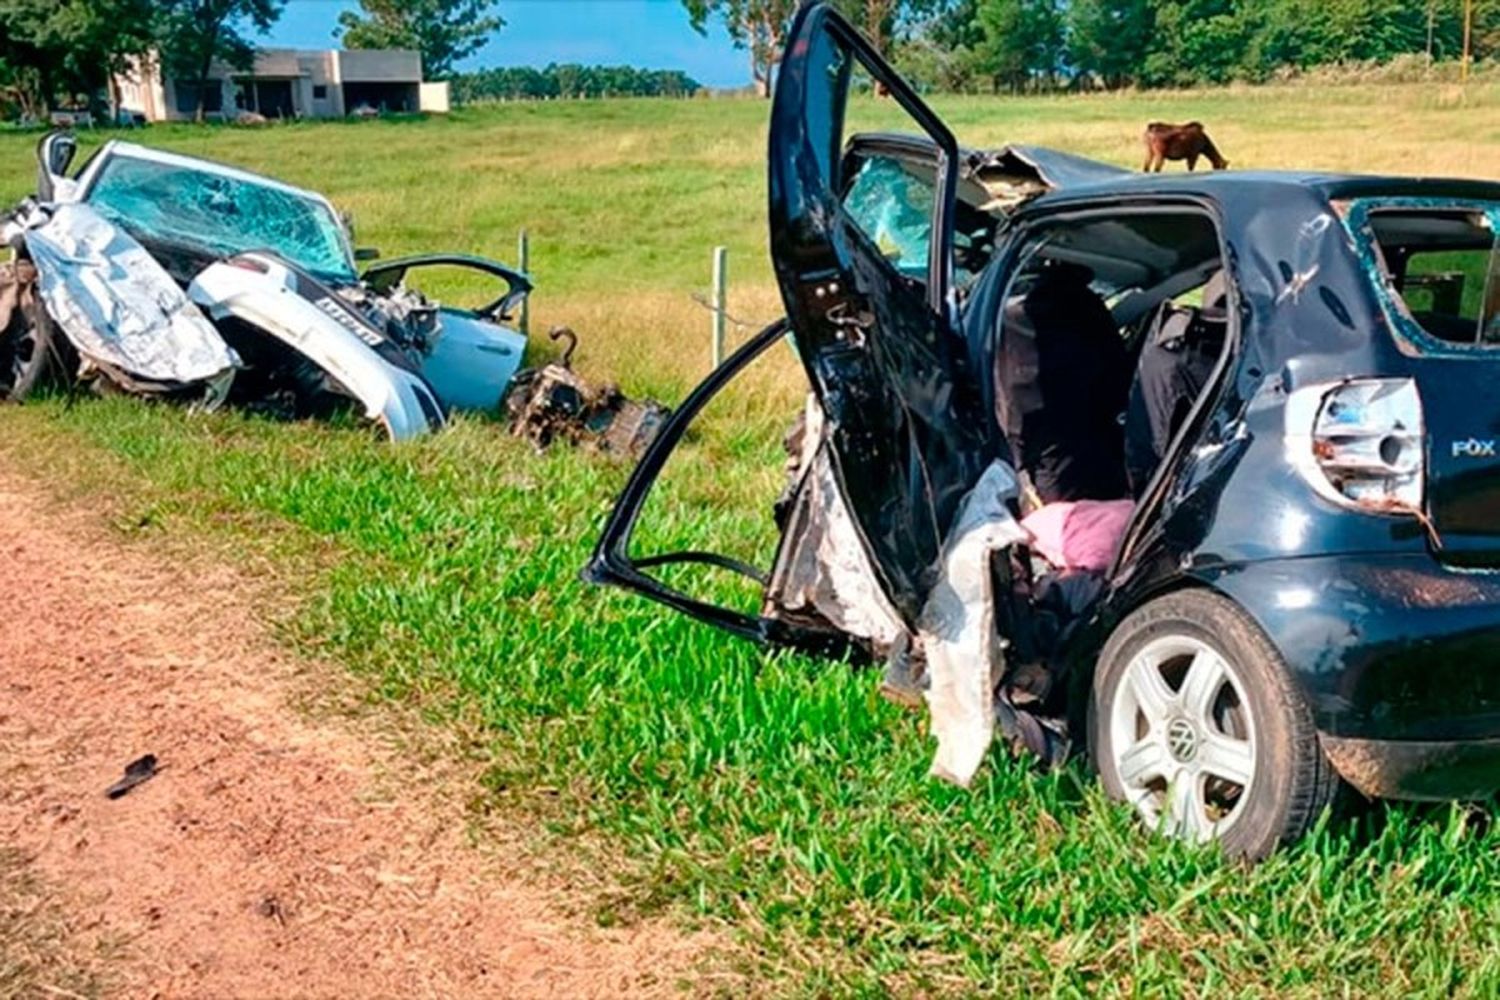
pixel 1030 45
pixel 526 83
pixel 57 52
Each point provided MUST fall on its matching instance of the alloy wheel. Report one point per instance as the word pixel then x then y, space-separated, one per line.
pixel 1182 738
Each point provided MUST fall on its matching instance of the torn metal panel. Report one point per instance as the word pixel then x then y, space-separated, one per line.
pixel 271 295
pixel 823 572
pixel 1014 175
pixel 118 307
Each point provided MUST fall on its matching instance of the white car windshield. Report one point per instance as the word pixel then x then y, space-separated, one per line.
pixel 221 214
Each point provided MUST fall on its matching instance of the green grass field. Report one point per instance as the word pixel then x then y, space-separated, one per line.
pixel 776 795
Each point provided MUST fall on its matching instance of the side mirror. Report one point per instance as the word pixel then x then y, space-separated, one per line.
pixel 366 253
pixel 54 154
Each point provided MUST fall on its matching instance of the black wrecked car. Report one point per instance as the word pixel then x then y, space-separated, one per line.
pixel 1289 382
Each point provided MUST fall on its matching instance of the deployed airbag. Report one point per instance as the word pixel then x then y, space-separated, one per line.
pixel 119 308
pixel 957 627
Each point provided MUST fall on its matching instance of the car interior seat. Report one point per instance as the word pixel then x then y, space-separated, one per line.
pixel 1062 381
pixel 1181 347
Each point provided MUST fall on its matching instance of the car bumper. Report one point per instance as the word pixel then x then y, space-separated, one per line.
pixel 1399 659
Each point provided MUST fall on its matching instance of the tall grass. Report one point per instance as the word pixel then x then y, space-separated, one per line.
pixel 773 792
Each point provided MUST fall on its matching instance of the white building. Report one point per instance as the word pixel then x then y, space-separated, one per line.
pixel 288 83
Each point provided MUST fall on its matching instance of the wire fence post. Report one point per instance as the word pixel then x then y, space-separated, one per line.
pixel 523 264
pixel 720 305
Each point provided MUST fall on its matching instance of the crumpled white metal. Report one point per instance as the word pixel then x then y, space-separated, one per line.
pixel 957 627
pixel 846 591
pixel 118 306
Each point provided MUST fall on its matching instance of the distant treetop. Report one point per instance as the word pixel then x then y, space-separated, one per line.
pixel 521 83
pixel 444 31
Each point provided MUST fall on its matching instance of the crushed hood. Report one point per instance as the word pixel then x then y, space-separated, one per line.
pixel 118 307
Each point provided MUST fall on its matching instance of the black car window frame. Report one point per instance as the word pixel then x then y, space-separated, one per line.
pixel 1355 214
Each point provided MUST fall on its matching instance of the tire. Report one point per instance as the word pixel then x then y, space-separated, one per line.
pixel 1195 722
pixel 26 351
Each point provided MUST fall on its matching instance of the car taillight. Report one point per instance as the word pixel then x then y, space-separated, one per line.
pixel 1360 442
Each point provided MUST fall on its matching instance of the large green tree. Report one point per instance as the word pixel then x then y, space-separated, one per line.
pixel 444 31
pixel 197 33
pixel 1109 39
pixel 942 44
pixel 1023 42
pixel 1195 41
pixel 51 49
pixel 758 26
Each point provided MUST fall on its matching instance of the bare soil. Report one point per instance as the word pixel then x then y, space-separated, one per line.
pixel 275 853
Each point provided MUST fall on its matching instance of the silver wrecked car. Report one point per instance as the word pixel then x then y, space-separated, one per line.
pixel 171 275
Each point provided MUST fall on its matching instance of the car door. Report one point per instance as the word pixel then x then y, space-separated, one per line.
pixel 878 336
pixel 862 246
pixel 472 354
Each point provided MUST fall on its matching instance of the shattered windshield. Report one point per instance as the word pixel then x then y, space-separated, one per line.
pixel 221 214
pixel 892 203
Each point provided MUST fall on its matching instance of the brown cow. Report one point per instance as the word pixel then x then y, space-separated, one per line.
pixel 1179 142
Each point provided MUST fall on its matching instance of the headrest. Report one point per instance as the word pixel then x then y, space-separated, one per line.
pixel 1216 298
pixel 1064 272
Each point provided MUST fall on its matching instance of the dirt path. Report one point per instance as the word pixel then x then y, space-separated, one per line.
pixel 272 855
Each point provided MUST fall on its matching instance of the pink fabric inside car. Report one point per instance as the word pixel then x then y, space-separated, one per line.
pixel 1079 534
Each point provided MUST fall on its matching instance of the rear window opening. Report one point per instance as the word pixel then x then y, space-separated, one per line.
pixel 1444 267
pixel 1111 329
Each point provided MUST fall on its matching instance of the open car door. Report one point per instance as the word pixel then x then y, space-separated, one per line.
pixel 862 241
pixel 870 299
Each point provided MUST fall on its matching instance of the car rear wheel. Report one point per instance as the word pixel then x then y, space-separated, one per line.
pixel 1195 723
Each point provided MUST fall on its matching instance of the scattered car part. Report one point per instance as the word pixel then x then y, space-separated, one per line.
pixel 553 403
pixel 140 770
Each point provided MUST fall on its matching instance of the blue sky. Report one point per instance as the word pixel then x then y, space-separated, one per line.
pixel 650 33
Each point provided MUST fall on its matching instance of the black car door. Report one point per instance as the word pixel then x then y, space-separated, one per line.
pixel 877 335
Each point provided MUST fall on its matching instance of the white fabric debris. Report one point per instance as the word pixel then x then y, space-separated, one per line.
pixel 957 627
pixel 117 305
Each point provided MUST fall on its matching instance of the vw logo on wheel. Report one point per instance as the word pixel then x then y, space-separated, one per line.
pixel 1182 739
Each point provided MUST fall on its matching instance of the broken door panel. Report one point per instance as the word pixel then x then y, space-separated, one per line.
pixel 753 609
pixel 872 315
